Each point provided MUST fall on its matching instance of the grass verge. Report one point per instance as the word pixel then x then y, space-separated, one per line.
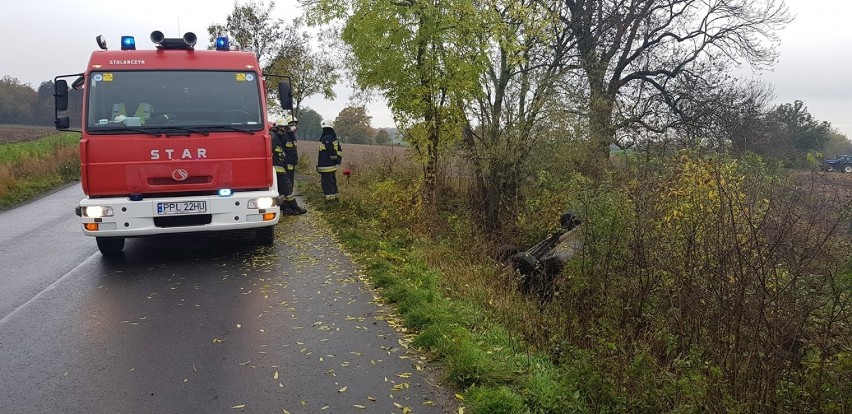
pixel 498 372
pixel 29 169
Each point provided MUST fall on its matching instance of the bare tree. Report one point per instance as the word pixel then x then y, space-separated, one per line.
pixel 622 43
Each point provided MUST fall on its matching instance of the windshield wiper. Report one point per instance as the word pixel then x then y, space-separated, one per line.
pixel 197 131
pixel 121 129
pixel 230 128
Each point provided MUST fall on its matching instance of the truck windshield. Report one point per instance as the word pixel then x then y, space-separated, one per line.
pixel 170 99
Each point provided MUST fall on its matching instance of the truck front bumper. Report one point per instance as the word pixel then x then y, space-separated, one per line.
pixel 124 217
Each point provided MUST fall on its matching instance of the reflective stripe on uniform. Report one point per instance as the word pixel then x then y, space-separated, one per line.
pixel 279 168
pixel 291 167
pixel 327 169
pixel 143 111
pixel 290 145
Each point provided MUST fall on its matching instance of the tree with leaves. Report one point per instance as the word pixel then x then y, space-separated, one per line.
pixel 251 26
pixel 382 137
pixel 803 132
pixel 522 51
pixel 309 124
pixel 408 50
pixel 310 71
pixel 353 125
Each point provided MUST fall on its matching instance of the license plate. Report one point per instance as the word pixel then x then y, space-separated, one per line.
pixel 181 207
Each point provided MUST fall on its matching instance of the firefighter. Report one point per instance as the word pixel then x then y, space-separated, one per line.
pixel 291 154
pixel 289 206
pixel 330 156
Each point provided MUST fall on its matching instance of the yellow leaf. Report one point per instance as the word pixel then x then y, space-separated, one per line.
pixel 371 398
pixel 275 376
pixel 362 407
pixel 239 406
pixel 217 341
pixel 460 397
pixel 342 389
pixel 397 405
pixel 461 410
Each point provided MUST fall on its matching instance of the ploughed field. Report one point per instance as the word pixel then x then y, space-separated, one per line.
pixel 21 133
pixel 359 157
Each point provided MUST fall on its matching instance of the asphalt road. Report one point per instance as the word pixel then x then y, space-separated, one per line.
pixel 195 323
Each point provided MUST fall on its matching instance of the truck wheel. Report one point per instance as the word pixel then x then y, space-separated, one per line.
pixel 847 168
pixel 110 246
pixel 265 236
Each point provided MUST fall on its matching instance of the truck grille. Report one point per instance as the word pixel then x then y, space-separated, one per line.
pixel 183 221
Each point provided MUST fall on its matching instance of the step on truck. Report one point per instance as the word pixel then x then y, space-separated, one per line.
pixel 174 140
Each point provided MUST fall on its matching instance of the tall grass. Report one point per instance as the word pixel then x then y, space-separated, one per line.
pixel 704 284
pixel 34 167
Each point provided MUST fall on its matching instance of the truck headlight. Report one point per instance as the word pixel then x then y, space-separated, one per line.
pixel 97 211
pixel 261 203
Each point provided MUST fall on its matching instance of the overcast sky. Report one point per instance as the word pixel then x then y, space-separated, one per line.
pixel 45 38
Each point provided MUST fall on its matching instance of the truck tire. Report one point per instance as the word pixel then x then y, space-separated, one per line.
pixel 110 246
pixel 265 236
pixel 847 168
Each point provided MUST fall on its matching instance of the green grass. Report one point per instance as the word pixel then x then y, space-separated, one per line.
pixel 32 168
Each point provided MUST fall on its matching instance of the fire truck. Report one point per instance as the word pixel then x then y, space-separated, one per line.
pixel 174 140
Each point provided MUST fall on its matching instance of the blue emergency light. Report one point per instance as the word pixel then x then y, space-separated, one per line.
pixel 222 43
pixel 128 43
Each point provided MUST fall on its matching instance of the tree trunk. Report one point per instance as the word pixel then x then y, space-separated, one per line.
pixel 601 129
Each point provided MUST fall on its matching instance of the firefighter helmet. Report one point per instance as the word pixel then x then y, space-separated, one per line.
pixel 291 120
pixel 327 124
pixel 280 123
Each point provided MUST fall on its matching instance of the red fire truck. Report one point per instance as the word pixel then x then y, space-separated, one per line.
pixel 174 140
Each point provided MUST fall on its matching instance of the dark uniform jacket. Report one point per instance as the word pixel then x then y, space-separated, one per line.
pixel 278 157
pixel 291 154
pixel 330 153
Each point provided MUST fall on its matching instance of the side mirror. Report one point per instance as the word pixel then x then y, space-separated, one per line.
pixel 60 89
pixel 62 122
pixel 285 95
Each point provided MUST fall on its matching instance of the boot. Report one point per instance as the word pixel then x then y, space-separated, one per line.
pixel 293 205
pixel 288 211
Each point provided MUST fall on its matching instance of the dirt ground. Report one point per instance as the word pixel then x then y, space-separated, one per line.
pixel 21 133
